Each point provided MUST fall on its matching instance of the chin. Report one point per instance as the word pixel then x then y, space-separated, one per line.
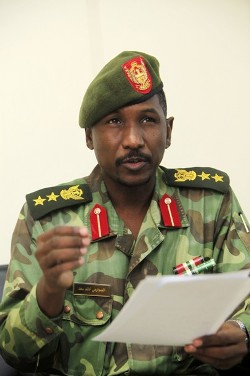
pixel 133 182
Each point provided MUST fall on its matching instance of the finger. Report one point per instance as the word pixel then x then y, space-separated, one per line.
pixel 49 258
pixel 61 275
pixel 61 256
pixel 60 251
pixel 226 335
pixel 53 241
pixel 61 267
pixel 222 356
pixel 61 242
pixel 62 231
pixel 216 351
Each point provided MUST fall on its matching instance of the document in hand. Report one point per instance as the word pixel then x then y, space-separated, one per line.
pixel 173 310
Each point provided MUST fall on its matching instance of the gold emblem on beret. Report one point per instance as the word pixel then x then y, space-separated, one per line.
pixel 138 75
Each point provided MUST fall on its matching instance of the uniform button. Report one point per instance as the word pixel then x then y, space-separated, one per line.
pixel 49 330
pixel 67 309
pixel 99 315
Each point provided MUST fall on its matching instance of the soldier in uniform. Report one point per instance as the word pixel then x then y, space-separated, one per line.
pixel 80 249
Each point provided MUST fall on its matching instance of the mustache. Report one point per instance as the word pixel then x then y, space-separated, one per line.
pixel 133 156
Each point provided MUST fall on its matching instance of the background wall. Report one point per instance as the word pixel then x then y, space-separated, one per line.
pixel 50 51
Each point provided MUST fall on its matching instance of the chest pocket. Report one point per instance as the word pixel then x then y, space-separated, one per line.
pixel 87 310
pixel 84 318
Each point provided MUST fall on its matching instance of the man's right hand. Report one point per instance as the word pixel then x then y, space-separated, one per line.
pixel 59 252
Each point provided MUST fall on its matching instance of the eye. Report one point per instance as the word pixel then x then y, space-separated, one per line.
pixel 148 119
pixel 114 121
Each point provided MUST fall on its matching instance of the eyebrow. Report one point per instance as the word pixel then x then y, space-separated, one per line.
pixel 150 109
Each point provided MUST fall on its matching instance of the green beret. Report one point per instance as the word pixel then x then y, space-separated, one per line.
pixel 129 78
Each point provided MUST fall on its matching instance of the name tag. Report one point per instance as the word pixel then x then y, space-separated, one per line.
pixel 91 289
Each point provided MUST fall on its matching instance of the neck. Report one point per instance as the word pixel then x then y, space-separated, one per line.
pixel 131 203
pixel 130 196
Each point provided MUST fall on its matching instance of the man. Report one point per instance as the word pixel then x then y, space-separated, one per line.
pixel 80 249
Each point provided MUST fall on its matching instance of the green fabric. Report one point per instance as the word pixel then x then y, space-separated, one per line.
pixel 210 227
pixel 111 90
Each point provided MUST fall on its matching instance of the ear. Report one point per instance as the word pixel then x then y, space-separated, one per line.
pixel 169 125
pixel 89 139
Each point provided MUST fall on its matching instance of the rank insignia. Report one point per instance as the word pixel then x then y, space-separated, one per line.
pixel 198 177
pixel 169 211
pixel 138 75
pixel 49 199
pixel 99 222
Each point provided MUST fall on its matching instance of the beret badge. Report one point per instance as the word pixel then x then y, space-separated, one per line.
pixel 138 75
pixel 129 78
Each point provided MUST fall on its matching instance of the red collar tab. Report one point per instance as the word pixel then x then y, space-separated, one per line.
pixel 169 211
pixel 99 222
pixel 138 75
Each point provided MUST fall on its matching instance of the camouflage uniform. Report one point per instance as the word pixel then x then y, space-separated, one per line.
pixel 210 227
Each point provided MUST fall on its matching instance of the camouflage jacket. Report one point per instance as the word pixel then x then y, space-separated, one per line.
pixel 209 223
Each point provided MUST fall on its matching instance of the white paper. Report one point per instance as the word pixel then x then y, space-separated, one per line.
pixel 174 310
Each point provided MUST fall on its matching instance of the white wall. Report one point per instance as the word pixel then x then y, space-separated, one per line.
pixel 50 51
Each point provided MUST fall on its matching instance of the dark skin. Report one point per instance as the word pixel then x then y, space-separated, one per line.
pixel 129 145
pixel 224 349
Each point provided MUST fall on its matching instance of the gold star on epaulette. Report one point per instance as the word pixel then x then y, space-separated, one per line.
pixel 217 178
pixel 204 176
pixel 52 197
pixel 39 200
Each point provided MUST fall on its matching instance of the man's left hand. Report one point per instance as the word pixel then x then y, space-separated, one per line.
pixel 222 350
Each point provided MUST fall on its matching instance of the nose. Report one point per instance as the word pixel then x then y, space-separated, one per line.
pixel 132 136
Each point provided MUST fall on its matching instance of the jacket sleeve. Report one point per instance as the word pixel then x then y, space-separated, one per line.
pixel 232 246
pixel 27 336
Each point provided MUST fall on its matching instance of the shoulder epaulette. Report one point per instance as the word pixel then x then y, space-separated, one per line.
pixel 197 177
pixel 49 199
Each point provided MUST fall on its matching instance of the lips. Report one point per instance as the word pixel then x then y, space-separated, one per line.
pixel 133 160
